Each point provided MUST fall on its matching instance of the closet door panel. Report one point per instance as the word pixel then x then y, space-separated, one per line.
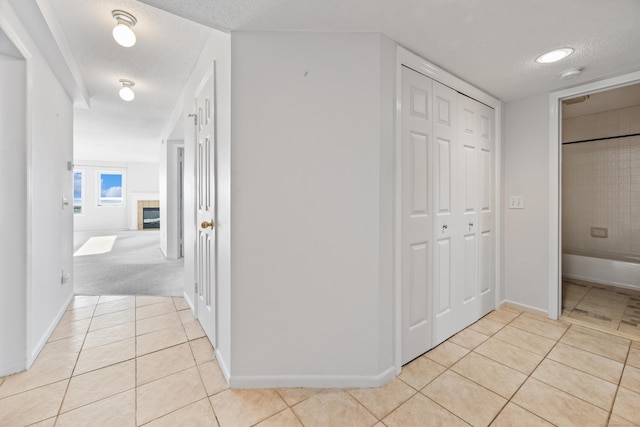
pixel 487 218
pixel 416 215
pixel 446 292
pixel 468 216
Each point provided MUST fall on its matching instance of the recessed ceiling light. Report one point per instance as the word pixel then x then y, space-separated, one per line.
pixel 122 32
pixel 126 92
pixel 554 55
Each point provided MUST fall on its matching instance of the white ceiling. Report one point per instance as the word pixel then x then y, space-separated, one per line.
pixel 491 43
pixel 7 48
pixel 160 64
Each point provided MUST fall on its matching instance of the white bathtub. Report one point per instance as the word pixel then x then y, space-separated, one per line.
pixel 615 272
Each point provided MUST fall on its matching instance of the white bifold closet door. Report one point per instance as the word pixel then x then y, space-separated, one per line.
pixel 417 219
pixel 464 227
pixel 448 216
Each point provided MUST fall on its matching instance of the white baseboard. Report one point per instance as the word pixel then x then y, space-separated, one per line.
pixel 524 307
pixel 45 337
pixel 223 366
pixel 12 368
pixel 188 301
pixel 313 381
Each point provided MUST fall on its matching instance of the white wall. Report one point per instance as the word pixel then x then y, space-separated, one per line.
pixel 51 245
pixel 526 231
pixel 32 290
pixel 141 182
pixel 218 49
pixel 13 224
pixel 312 205
pixel 169 198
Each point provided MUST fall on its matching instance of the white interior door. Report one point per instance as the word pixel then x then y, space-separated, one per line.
pixel 417 221
pixel 206 206
pixel 487 222
pixel 464 224
pixel 445 154
pixel 467 216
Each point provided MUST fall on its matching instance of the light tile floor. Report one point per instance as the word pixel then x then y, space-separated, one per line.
pixel 127 361
pixel 602 306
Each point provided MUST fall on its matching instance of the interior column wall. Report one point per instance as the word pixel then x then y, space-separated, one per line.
pixel 51 127
pixel 13 215
pixel 39 243
pixel 216 50
pixel 312 184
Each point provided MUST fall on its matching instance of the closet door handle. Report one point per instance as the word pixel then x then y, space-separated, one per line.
pixel 470 225
pixel 444 227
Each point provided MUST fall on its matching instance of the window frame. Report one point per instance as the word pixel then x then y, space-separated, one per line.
pixel 82 191
pixel 99 198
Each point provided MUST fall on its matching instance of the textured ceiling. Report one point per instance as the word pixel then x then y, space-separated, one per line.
pixel 160 64
pixel 491 43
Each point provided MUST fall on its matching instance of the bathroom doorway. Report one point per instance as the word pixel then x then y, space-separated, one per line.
pixel 600 184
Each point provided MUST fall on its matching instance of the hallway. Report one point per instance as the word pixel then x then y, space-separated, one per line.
pixel 126 361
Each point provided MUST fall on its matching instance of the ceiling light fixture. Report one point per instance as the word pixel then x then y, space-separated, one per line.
pixel 126 92
pixel 571 74
pixel 554 55
pixel 122 32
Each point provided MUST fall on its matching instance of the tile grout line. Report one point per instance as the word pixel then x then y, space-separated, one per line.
pixel 182 370
pixel 135 355
pixel 195 362
pixel 615 395
pixel 481 355
pixel 469 379
pixel 610 411
pixel 66 390
pixel 529 376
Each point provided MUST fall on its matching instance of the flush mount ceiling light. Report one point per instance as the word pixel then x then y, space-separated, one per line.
pixel 126 92
pixel 554 55
pixel 122 32
pixel 571 74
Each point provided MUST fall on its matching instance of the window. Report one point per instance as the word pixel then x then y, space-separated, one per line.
pixel 78 192
pixel 111 191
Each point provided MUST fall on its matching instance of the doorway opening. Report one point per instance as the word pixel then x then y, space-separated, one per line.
pixel 555 171
pixel 600 187
pixel 118 230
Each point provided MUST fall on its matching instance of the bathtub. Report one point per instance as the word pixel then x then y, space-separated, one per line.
pixel 610 270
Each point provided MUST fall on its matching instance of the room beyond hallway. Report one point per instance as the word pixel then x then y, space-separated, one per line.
pixel 604 307
pixel 124 263
pixel 124 360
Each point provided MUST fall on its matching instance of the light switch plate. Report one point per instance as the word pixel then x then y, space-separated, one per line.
pixel 516 202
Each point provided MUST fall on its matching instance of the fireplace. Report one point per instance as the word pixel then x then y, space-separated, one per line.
pixel 148 214
pixel 150 218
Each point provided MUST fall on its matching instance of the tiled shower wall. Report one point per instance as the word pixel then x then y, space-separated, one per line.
pixel 601 184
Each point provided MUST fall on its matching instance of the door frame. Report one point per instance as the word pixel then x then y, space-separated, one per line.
pixel 406 58
pixel 180 201
pixel 555 182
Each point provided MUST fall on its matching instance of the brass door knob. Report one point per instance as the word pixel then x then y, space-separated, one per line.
pixel 207 224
